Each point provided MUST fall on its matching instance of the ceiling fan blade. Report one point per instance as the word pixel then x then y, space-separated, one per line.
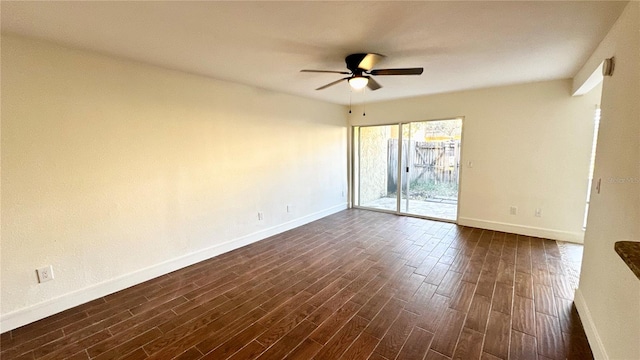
pixel 369 61
pixel 406 71
pixel 327 71
pixel 331 83
pixel 372 84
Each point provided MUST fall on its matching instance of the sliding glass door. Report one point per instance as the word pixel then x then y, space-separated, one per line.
pixel 422 159
pixel 376 166
pixel 432 168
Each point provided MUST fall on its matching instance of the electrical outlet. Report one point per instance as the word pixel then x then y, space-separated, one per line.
pixel 538 212
pixel 45 274
pixel 289 208
pixel 469 164
pixel 260 215
pixel 513 210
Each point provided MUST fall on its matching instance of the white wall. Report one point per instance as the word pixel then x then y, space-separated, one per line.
pixel 115 172
pixel 529 145
pixel 608 297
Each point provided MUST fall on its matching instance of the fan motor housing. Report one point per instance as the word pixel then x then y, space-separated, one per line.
pixel 361 62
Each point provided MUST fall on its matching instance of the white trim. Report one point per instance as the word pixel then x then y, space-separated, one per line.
pixel 597 347
pixel 574 237
pixel 461 169
pixel 592 81
pixel 49 307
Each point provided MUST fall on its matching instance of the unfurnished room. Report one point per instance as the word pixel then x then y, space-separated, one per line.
pixel 320 180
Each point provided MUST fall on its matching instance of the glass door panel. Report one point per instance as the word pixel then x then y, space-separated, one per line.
pixel 431 168
pixel 376 165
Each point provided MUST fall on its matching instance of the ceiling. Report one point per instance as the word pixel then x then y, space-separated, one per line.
pixel 461 45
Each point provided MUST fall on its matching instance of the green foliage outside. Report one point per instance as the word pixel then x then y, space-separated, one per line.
pixel 420 131
pixel 430 190
pixel 424 190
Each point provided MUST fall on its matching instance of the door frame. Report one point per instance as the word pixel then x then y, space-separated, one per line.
pixel 355 159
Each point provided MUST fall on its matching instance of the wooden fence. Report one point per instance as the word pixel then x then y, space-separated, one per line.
pixel 437 162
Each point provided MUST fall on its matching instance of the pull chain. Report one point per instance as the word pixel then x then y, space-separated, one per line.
pixel 350 92
pixel 364 101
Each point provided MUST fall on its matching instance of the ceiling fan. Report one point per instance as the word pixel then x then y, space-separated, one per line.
pixel 360 70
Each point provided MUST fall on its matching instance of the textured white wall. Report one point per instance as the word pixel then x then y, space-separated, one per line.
pixel 529 145
pixel 112 169
pixel 608 297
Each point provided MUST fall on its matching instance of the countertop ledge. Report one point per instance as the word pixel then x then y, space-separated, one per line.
pixel 629 251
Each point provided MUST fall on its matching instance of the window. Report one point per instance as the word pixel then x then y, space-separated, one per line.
pixel 592 162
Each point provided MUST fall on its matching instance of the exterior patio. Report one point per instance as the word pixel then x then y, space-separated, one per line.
pixel 436 208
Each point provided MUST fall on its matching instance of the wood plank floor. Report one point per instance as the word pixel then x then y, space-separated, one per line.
pixel 354 285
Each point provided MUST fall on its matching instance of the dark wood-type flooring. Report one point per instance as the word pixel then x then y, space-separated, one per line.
pixel 354 285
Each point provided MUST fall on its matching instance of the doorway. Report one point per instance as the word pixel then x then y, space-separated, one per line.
pixel 420 159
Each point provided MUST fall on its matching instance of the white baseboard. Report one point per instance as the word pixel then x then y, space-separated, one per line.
pixel 597 347
pixel 574 237
pixel 50 307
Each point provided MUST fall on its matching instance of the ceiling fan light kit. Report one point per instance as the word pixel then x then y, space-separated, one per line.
pixel 358 82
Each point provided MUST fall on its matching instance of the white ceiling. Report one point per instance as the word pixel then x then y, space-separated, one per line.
pixel 461 45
